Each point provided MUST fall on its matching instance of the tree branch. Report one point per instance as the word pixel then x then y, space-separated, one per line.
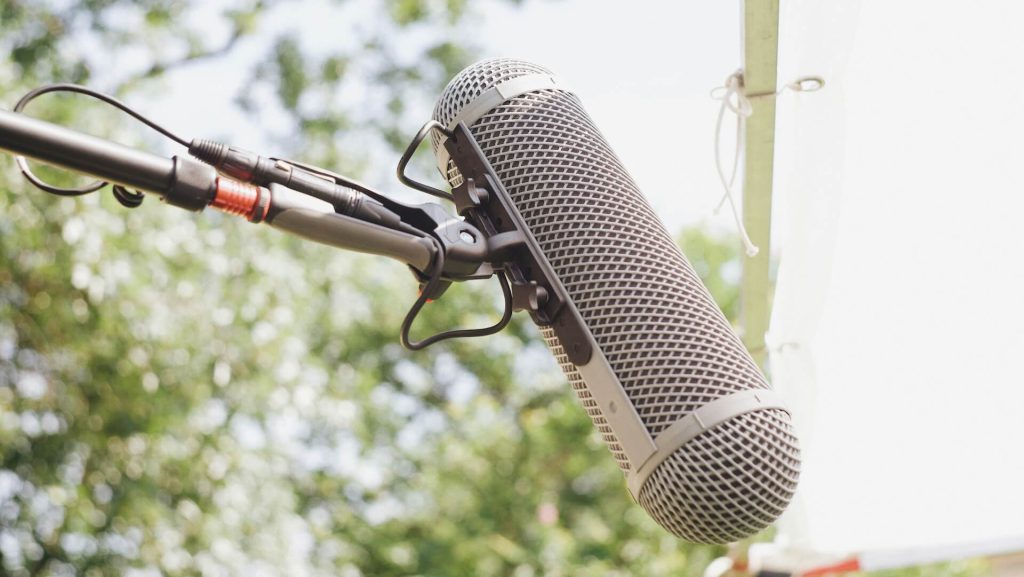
pixel 160 68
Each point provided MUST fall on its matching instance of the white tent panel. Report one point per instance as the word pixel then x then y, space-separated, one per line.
pixel 898 326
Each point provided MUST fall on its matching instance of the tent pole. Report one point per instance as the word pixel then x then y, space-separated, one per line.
pixel 760 68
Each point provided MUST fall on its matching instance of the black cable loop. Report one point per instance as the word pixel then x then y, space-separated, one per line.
pixel 123 195
pixel 435 279
pixel 407 155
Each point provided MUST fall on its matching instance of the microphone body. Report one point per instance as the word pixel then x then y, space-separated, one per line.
pixel 706 446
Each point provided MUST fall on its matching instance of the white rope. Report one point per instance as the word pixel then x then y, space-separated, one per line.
pixel 732 98
pixel 735 99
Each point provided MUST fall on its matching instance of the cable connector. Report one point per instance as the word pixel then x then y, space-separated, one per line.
pixel 230 161
pixel 240 164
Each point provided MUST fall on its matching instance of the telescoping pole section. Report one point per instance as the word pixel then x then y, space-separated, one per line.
pixel 187 183
pixel 116 163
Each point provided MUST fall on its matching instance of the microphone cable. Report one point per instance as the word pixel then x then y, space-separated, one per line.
pixel 424 297
pixel 125 197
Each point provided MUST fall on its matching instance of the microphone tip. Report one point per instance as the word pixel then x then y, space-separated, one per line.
pixel 729 482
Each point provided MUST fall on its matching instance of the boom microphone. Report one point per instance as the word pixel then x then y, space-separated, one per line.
pixel 706 446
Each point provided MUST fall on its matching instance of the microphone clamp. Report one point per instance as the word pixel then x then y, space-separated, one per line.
pixel 506 246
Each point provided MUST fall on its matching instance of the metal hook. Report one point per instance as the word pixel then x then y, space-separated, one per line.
pixel 807 84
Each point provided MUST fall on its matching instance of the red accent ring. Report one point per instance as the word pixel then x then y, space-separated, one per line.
pixel 238 198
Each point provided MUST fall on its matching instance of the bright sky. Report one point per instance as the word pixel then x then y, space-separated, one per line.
pixel 644 73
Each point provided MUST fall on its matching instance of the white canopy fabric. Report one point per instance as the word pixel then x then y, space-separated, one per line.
pixel 898 324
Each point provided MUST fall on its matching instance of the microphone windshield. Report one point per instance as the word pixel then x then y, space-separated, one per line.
pixel 713 457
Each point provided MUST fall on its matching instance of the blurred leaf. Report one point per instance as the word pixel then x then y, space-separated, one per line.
pixel 291 70
pixel 405 12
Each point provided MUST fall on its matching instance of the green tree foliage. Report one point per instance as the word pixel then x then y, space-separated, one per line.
pixel 189 394
pixel 185 394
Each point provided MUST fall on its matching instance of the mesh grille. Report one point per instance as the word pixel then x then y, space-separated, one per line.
pixel 738 476
pixel 586 399
pixel 473 82
pixel 664 337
